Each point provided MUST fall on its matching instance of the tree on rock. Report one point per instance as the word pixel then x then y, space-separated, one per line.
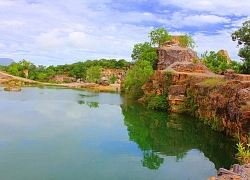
pixel 187 41
pixel 159 36
pixel 242 36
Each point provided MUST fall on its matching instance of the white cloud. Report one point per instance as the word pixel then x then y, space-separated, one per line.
pixel 5 3
pixel 198 20
pixel 78 39
pixel 58 32
pixel 222 7
pixel 50 40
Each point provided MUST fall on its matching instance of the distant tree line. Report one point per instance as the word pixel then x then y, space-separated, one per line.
pixel 90 69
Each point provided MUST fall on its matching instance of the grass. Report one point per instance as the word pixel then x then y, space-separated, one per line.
pixel 212 82
pixel 243 155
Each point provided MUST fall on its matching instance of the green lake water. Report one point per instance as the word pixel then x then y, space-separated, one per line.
pixel 52 133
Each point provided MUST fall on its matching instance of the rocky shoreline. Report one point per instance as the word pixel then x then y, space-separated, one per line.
pixel 14 83
pixel 236 173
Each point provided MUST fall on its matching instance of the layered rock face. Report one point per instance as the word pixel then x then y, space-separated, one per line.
pixel 174 53
pixel 223 104
pixel 108 73
pixel 222 101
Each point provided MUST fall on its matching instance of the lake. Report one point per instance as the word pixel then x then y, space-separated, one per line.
pixel 55 133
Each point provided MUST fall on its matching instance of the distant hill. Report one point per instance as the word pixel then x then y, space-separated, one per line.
pixel 6 61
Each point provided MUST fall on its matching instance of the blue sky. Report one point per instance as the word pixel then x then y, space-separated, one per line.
pixel 48 32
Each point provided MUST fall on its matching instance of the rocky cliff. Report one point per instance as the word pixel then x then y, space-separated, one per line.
pixel 222 101
pixel 223 104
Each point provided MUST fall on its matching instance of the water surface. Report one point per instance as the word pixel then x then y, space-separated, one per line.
pixel 59 133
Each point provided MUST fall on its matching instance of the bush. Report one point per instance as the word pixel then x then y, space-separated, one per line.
pixel 157 102
pixel 112 79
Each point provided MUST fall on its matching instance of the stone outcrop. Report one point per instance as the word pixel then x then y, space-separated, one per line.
pixel 108 73
pixel 172 54
pixel 189 67
pixel 225 53
pixel 223 104
pixel 222 101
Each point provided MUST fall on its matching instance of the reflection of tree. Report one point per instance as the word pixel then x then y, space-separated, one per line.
pixel 174 135
pixel 88 103
pixel 91 104
pixel 151 160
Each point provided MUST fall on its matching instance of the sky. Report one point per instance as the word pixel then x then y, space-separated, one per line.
pixel 56 32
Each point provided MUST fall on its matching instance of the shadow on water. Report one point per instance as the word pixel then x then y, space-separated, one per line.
pixel 161 133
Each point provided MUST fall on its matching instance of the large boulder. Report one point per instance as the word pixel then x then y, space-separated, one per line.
pixel 170 54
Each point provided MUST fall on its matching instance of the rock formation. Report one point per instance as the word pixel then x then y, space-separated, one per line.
pixel 222 101
pixel 108 73
pixel 172 53
pixel 225 53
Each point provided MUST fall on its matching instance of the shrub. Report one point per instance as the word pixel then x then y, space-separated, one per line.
pixel 157 102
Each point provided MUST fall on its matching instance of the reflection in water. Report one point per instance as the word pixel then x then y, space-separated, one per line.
pixel 174 135
pixel 151 160
pixel 90 104
pixel 52 133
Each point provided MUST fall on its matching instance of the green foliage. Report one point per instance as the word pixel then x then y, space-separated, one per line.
pixel 157 102
pixel 242 36
pixel 65 81
pixel 24 64
pixel 13 69
pixel 144 51
pixel 217 63
pixel 76 70
pixel 79 71
pixel 243 154
pixel 139 48
pixel 136 77
pixel 2 68
pixel 187 41
pixel 189 105
pixel 173 135
pixel 112 79
pixel 107 63
pixel 195 60
pixel 159 36
pixel 94 74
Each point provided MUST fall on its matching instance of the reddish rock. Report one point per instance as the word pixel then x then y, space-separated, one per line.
pixel 225 104
pixel 169 55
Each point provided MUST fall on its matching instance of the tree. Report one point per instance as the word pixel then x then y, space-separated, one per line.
pixel 136 77
pixel 187 41
pixel 138 49
pixel 24 64
pixel 159 36
pixel 216 62
pixel 79 71
pixel 242 36
pixel 94 74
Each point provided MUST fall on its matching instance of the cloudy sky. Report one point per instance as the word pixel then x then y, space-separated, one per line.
pixel 52 32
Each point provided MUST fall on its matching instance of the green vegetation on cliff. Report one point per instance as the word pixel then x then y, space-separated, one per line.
pixel 146 58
